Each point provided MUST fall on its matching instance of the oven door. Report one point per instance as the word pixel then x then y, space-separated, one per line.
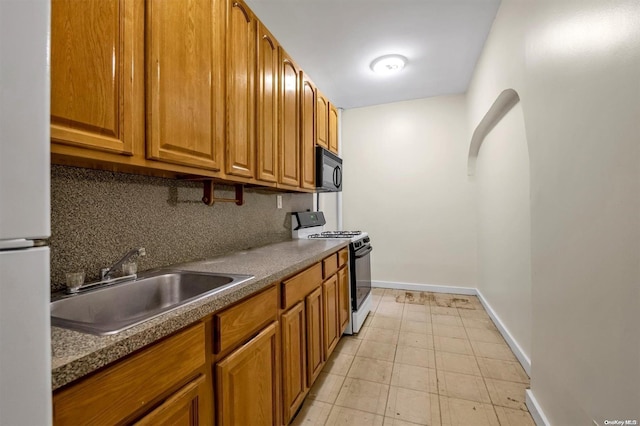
pixel 360 275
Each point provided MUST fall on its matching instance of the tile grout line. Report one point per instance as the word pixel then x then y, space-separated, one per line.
pixel 484 382
pixel 440 397
pixel 396 345
pixel 435 361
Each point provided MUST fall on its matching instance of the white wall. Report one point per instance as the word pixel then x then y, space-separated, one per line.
pixel 576 67
pixel 330 207
pixel 504 226
pixel 575 64
pixel 405 183
pixel 502 180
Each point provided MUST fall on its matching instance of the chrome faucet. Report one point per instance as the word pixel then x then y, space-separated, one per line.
pixel 105 273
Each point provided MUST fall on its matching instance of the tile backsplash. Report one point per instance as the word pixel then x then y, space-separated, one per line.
pixel 97 216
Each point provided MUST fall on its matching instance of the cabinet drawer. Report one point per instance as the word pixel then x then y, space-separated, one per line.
pixel 296 288
pixel 118 392
pixel 329 266
pixel 235 325
pixel 343 257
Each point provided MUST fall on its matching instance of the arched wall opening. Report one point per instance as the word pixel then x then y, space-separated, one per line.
pixel 499 163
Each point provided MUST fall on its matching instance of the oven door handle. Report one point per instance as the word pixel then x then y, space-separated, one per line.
pixel 363 252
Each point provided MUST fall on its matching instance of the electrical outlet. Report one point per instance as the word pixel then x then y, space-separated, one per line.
pixel 279 201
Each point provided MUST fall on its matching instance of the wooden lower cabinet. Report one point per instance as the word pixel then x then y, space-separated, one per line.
pixel 182 409
pixel 279 338
pixel 331 322
pixel 302 337
pixel 293 359
pixel 246 382
pixel 139 384
pixel 239 323
pixel 315 347
pixel 343 298
pixel 312 321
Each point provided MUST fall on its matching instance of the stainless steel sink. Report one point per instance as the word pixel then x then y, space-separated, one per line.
pixel 111 309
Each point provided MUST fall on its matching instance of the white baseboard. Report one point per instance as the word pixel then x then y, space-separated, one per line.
pixel 426 287
pixel 535 409
pixel 517 350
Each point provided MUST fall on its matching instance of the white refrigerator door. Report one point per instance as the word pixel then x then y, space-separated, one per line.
pixel 25 349
pixel 24 119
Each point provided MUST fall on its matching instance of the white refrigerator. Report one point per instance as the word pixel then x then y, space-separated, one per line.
pixel 25 342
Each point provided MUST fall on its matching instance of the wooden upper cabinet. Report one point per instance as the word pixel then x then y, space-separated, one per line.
pixel 308 136
pixel 333 129
pixel 289 108
pixel 241 69
pixel 97 81
pixel 322 120
pixel 185 82
pixel 267 106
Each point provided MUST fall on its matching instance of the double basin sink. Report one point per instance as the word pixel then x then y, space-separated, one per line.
pixel 111 309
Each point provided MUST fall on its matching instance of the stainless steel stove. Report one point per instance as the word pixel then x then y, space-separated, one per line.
pixel 311 225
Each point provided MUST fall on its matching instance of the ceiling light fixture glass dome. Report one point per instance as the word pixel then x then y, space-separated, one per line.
pixel 388 64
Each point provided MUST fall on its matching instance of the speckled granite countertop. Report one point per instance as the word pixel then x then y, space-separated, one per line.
pixel 76 354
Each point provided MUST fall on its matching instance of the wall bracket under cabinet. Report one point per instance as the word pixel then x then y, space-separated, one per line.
pixel 209 188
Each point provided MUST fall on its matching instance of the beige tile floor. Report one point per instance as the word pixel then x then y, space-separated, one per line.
pixel 420 359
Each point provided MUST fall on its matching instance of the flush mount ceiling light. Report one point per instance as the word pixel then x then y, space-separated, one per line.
pixel 388 64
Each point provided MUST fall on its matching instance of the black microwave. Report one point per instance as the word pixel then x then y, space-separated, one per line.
pixel 328 171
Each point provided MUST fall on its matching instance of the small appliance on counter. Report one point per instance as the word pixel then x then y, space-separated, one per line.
pixel 311 225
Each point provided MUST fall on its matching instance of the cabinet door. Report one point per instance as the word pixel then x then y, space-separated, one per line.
pixel 331 321
pixel 184 408
pixel 185 96
pixel 343 298
pixel 288 107
pixel 308 142
pixel 96 79
pixel 131 387
pixel 315 346
pixel 267 114
pixel 322 120
pixel 247 382
pixel 293 359
pixel 333 129
pixel 241 65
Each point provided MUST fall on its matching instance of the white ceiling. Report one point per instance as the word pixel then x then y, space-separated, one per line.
pixel 334 41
